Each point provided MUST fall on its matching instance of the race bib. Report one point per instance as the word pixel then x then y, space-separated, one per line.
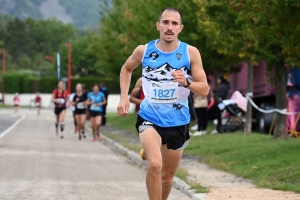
pixel 94 107
pixel 80 105
pixel 164 92
pixel 61 101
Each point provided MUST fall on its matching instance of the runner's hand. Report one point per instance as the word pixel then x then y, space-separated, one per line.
pixel 179 77
pixel 123 107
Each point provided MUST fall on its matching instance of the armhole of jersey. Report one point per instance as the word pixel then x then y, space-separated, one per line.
pixel 188 55
pixel 146 45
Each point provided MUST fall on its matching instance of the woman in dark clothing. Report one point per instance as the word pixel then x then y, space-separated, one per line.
pixel 223 88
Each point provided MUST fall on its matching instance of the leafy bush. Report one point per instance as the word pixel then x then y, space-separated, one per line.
pixel 16 82
pixel 13 82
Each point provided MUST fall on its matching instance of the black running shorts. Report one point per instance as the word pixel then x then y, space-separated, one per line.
pixel 176 137
pixel 58 110
pixel 80 112
pixel 95 114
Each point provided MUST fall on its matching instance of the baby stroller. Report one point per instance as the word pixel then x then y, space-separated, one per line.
pixel 234 116
pixel 228 114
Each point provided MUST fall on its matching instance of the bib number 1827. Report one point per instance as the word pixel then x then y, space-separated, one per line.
pixel 167 93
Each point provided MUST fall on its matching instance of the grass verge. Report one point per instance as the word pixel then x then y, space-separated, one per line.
pixel 124 142
pixel 183 175
pixel 270 163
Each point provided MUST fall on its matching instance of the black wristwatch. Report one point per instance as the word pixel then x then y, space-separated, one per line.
pixel 189 81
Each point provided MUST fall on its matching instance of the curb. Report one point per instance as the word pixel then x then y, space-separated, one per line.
pixel 135 158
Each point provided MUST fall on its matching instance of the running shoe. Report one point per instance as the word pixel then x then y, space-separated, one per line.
pixel 61 137
pixel 99 137
pixel 79 137
pixel 93 140
pixel 83 135
pixel 142 154
pixel 198 133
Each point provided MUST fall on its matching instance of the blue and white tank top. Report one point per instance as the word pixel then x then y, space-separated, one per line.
pixel 166 102
pixel 98 98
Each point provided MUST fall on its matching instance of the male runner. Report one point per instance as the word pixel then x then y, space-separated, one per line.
pixel 59 98
pixel 169 66
pixel 38 102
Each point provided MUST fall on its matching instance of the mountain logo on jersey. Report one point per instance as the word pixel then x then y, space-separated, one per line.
pixel 178 56
pixel 163 72
pixel 154 56
pixel 177 106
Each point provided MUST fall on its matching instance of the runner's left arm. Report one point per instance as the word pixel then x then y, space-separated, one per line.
pixel 104 101
pixel 199 84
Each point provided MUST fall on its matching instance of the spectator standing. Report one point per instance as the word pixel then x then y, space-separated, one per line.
pixel 105 91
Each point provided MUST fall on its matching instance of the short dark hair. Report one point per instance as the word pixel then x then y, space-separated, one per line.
pixel 170 9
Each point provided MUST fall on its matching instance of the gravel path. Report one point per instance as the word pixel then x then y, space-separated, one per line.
pixel 36 164
pixel 225 186
pixel 222 185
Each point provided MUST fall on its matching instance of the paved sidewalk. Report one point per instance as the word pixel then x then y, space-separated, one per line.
pixel 36 164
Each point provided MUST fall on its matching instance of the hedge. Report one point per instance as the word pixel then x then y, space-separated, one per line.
pixel 21 83
pixel 15 82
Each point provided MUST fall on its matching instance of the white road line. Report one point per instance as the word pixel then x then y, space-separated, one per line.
pixel 12 126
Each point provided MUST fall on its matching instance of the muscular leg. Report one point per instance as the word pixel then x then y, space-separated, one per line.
pixel 93 127
pixel 170 160
pixel 82 122
pixel 77 118
pixel 56 123
pixel 151 142
pixel 98 124
pixel 62 121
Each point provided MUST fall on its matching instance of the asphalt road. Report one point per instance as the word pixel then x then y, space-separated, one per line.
pixel 36 164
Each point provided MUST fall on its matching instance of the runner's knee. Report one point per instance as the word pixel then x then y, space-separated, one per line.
pixel 167 181
pixel 154 166
pixel 167 178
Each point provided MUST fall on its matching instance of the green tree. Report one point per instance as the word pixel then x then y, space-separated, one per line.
pixel 275 25
pixel 118 38
pixel 16 38
pixel 231 33
pixel 32 40
pixel 256 31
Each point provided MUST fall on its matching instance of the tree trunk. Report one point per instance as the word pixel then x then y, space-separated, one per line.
pixel 280 125
pixel 248 124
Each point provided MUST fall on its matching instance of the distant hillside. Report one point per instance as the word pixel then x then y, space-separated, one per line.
pixel 81 13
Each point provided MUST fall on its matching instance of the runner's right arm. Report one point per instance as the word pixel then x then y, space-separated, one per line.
pixel 135 91
pixel 53 99
pixel 125 76
pixel 74 100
